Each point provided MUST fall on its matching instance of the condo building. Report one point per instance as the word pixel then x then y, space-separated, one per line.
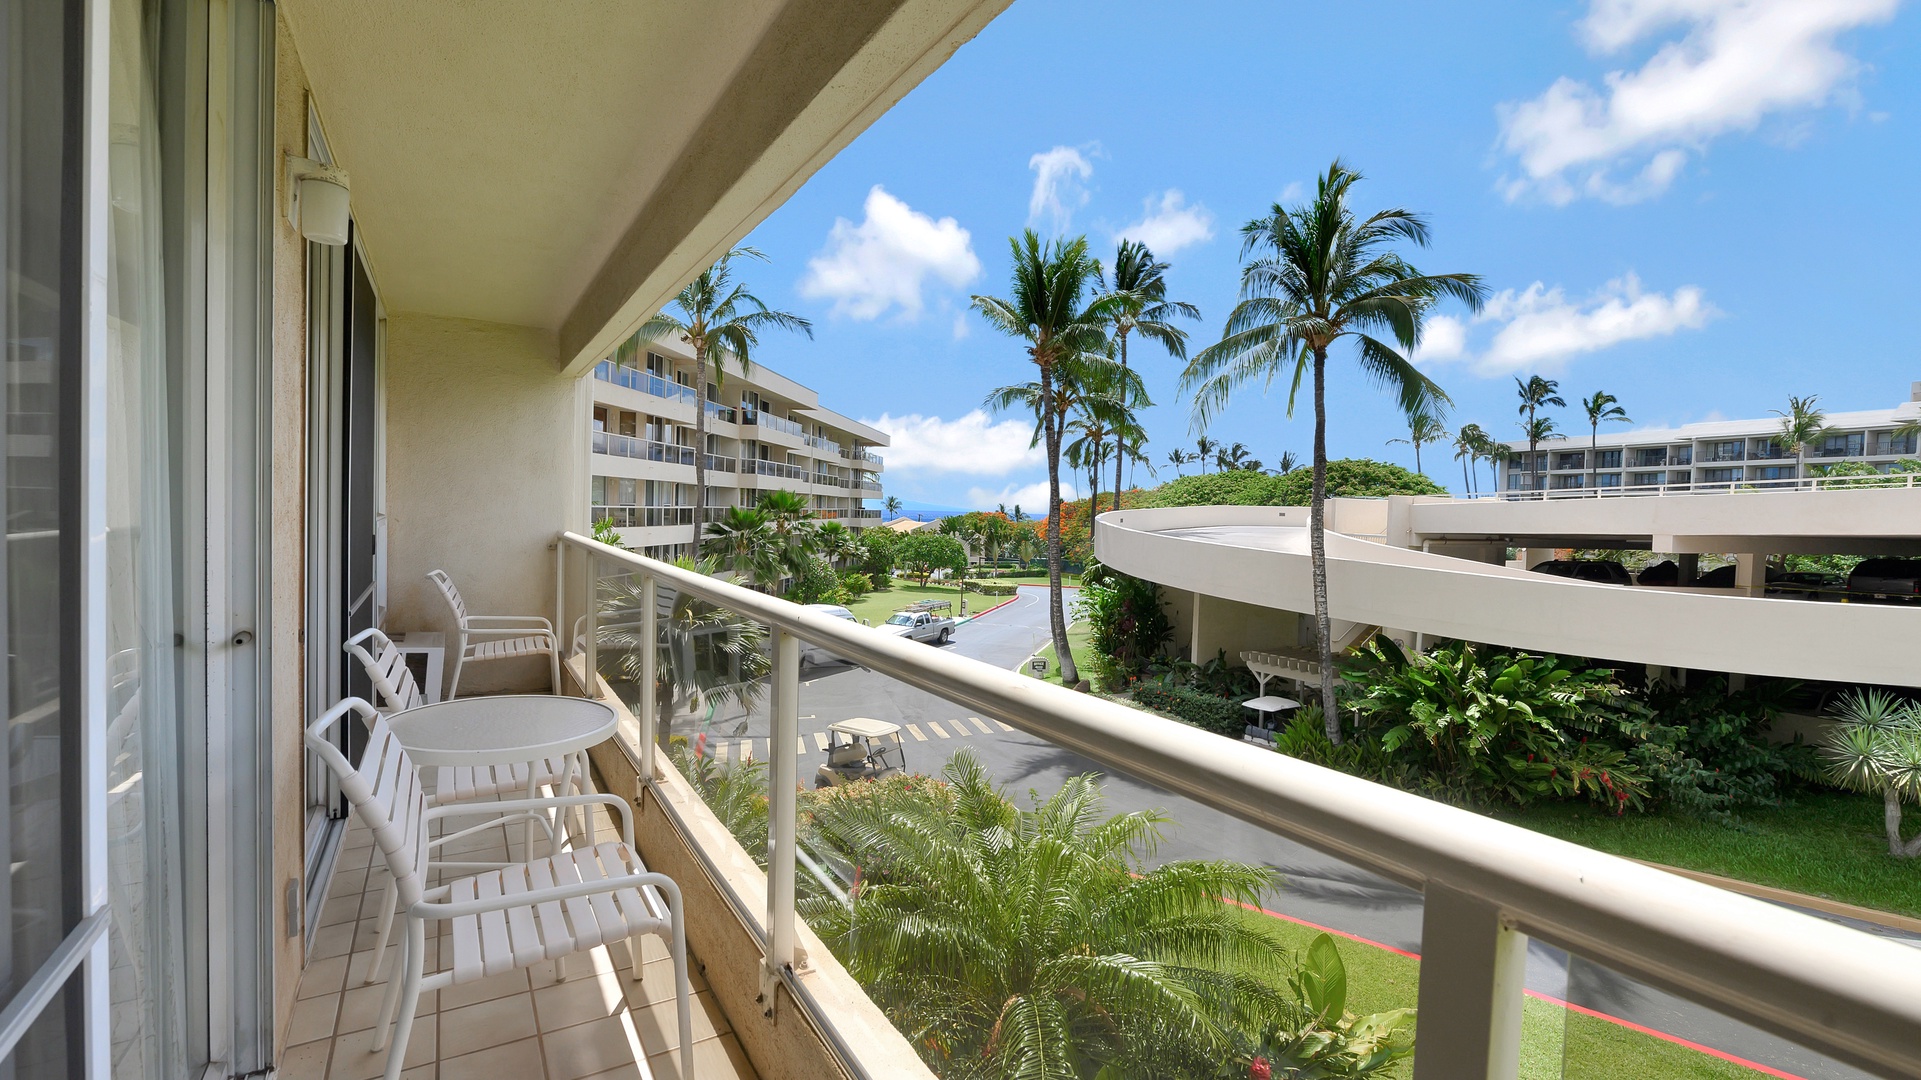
pixel 1711 453
pixel 764 432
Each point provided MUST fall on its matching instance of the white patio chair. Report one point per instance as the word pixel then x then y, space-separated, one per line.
pixel 445 785
pixel 507 918
pixel 495 637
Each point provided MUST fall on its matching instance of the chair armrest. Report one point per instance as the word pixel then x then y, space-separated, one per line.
pixel 526 622
pixel 482 633
pixel 454 909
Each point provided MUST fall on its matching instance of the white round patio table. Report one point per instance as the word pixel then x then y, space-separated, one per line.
pixel 505 729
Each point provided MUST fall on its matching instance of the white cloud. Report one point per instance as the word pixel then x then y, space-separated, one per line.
pixel 974 443
pixel 961 329
pixel 1443 338
pixel 1060 186
pixel 1031 498
pixel 1541 329
pixel 1292 191
pixel 1735 63
pixel 1168 224
pixel 885 260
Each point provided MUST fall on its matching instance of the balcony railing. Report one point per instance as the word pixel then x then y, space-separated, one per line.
pixel 772 468
pixel 830 481
pixel 1488 886
pixel 772 422
pixel 870 485
pixel 721 463
pixel 860 455
pixel 722 412
pixel 820 443
pixel 644 381
pixel 1717 487
pixel 1724 453
pixel 628 446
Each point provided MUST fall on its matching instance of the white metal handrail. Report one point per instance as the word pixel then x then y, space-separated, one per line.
pixel 1881 481
pixel 1487 885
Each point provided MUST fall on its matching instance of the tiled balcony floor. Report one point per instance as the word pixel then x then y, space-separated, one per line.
pixel 524 1025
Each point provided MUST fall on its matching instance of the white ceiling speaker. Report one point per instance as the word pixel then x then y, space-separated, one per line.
pixel 318 206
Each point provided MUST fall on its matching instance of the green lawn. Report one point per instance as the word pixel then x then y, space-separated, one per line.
pixel 1828 844
pixel 877 605
pixel 1555 1042
pixel 1077 640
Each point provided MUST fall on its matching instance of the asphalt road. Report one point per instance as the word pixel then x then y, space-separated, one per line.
pixel 1314 888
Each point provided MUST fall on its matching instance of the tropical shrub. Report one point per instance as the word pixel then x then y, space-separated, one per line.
pixel 1198 707
pixel 856 584
pixel 1321 1038
pixel 923 554
pixel 877 555
pixel 1354 478
pixel 1862 474
pixel 1126 618
pixel 735 791
pixel 997 937
pixel 1707 751
pixel 989 588
pixel 1875 747
pixel 1235 487
pixel 815 582
pixel 1479 724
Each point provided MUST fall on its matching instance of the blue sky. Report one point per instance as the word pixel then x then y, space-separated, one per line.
pixel 1700 206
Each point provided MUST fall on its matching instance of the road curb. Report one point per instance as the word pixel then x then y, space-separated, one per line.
pixel 996 607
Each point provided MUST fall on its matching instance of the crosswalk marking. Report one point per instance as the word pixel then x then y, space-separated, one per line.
pixel 1004 725
pixel 820 739
pixel 985 730
pixel 914 730
pixel 937 729
pixel 720 750
pixel 801 745
pixel 746 750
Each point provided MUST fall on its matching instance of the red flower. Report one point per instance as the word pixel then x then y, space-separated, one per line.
pixel 1260 1070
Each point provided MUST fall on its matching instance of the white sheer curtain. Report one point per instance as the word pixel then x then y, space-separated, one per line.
pixel 143 768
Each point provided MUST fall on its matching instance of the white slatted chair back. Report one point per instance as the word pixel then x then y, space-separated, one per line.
pixel 387 667
pixel 450 594
pixel 385 791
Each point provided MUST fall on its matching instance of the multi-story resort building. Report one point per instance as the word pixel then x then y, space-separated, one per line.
pixel 302 306
pixel 764 432
pixel 1711 453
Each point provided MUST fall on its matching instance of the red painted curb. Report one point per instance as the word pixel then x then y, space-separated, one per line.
pixel 1732 1059
pixel 996 607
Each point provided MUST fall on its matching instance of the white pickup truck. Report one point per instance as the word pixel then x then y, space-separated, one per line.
pixel 928 626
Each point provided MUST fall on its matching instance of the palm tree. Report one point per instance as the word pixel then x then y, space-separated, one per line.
pixel 891 504
pixel 1800 425
pixel 718 318
pixel 1035 942
pixel 1535 393
pixel 1490 450
pixel 1539 430
pixel 1422 427
pixel 1047 311
pixel 1323 276
pixel 1875 747
pixel 1288 463
pixel 1601 408
pixel 1204 448
pixel 1139 286
pixel 838 542
pixel 1230 458
pixel 1178 457
pixel 1467 450
pixel 743 543
pixel 704 655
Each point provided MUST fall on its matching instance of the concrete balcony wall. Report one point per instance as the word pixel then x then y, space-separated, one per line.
pixel 486 449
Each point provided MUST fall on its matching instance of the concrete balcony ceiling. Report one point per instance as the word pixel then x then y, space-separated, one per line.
pixel 569 166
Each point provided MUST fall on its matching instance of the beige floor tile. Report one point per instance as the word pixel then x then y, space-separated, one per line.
pixel 714 1059
pixel 340 908
pixel 656 983
pixel 595 1047
pixel 313 1018
pixel 335 940
pixel 355 1058
pixel 512 982
pixel 360 1007
pixel 579 966
pixel 659 1025
pixel 514 1061
pixel 323 977
pixel 578 1000
pixel 308 1061
pixel 487 1024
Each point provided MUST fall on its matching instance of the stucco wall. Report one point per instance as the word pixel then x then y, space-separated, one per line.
pixel 289 523
pixel 486 460
pixel 1234 626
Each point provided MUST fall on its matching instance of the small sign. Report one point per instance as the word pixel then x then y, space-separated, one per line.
pixel 1039 664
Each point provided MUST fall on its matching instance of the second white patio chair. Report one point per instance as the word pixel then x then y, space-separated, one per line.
pixel 393 681
pixel 495 637
pixel 507 918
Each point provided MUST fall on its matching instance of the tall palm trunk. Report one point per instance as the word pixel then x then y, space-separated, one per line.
pixel 1317 549
pixel 1466 484
pixel 1056 613
pixel 700 443
pixel 1118 456
pixel 1417 458
pixel 1593 455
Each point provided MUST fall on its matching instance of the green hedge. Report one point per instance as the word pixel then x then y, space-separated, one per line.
pixel 1197 707
pixel 992 588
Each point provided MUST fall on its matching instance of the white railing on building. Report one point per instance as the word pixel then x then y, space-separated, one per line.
pixel 644 381
pixel 1713 487
pixel 775 423
pixel 1488 886
pixel 860 455
pixel 773 468
pixel 629 446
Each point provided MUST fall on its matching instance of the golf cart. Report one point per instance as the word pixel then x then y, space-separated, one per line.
pixel 860 749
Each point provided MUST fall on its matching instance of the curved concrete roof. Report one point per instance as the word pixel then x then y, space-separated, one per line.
pixel 1259 555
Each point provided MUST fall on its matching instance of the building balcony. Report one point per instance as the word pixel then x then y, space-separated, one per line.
pixel 861 455
pixel 776 469
pixel 644 381
pixel 638 449
pixel 771 422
